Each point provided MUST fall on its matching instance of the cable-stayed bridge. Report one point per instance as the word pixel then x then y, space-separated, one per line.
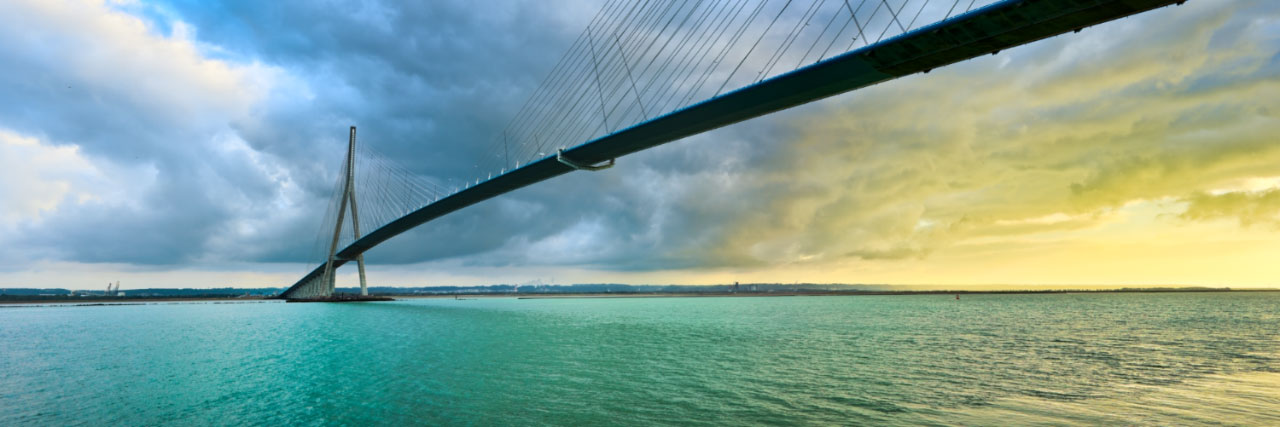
pixel 648 72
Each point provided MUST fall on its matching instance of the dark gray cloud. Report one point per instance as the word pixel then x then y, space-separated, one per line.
pixel 428 84
pixel 430 81
pixel 431 85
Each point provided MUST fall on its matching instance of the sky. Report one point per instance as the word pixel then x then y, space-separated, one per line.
pixel 195 144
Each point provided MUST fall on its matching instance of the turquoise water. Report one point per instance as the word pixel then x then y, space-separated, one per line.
pixel 884 360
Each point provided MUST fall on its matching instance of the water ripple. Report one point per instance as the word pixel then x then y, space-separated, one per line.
pixel 1155 359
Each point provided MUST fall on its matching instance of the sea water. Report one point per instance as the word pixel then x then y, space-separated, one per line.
pixel 1149 358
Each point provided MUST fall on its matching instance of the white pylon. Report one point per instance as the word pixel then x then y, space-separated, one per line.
pixel 348 195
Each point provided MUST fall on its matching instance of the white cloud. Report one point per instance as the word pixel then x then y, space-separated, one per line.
pixel 36 177
pixel 103 55
pixel 128 133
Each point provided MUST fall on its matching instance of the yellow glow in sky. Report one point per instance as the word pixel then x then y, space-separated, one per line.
pixel 1132 153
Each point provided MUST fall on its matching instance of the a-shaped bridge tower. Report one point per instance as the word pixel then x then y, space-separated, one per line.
pixel 321 286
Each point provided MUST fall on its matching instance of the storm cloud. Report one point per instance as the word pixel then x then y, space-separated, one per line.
pixel 183 134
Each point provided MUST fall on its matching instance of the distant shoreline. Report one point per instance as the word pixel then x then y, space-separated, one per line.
pixel 77 302
pixel 874 293
pixel 100 301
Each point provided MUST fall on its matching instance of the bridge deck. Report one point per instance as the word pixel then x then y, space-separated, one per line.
pixel 996 27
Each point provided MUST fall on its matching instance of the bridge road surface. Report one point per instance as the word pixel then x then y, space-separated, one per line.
pixel 986 30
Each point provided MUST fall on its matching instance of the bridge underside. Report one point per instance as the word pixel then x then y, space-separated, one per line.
pixel 316 287
pixel 988 30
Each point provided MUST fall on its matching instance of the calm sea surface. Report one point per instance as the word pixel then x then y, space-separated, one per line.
pixel 885 360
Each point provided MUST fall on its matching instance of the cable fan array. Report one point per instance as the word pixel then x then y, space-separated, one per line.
pixel 384 191
pixel 637 60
